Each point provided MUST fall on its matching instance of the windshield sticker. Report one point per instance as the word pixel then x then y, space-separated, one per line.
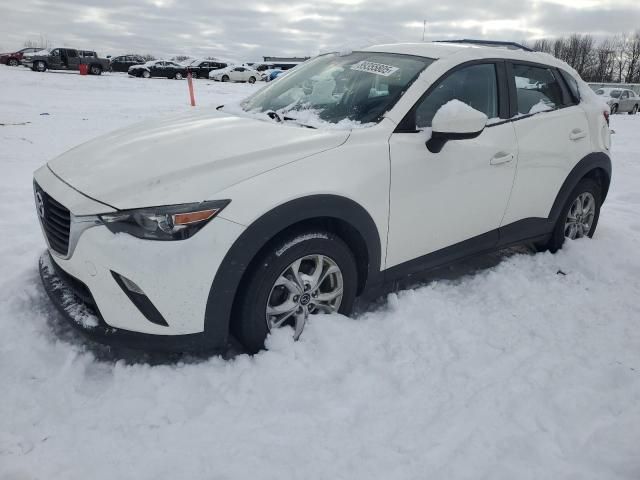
pixel 372 67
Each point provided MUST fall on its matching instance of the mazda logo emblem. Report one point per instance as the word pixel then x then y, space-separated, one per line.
pixel 40 205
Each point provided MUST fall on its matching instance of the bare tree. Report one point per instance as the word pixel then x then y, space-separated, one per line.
pixel 42 42
pixel 633 58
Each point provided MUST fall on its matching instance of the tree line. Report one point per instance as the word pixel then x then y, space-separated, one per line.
pixel 613 59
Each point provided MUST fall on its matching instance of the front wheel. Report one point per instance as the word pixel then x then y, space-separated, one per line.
pixel 579 217
pixel 252 79
pixel 634 110
pixel 40 66
pixel 299 278
pixel 614 109
pixel 225 78
pixel 146 74
pixel 178 76
pixel 95 70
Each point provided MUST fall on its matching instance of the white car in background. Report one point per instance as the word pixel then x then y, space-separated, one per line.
pixel 235 74
pixel 352 172
pixel 620 99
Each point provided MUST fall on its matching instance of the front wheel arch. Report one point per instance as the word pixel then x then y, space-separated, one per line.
pixel 350 221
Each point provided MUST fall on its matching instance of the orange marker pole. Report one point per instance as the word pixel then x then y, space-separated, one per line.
pixel 191 95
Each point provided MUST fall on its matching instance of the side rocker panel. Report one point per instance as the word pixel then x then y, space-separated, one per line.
pixel 258 234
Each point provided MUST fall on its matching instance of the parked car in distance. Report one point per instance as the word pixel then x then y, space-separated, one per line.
pixel 235 74
pixel 620 99
pixel 122 63
pixel 273 74
pixel 202 68
pixel 178 243
pixel 13 59
pixel 65 59
pixel 158 68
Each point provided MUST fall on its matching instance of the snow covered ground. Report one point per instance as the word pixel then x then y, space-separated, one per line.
pixel 512 372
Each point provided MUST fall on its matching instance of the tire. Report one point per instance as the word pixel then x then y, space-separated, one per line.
pixel 225 78
pixel 13 62
pixel 40 66
pixel 252 80
pixel 634 110
pixel 95 70
pixel 614 109
pixel 194 75
pixel 146 74
pixel 178 76
pixel 260 289
pixel 586 186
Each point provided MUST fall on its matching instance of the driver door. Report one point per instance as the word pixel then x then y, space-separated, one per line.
pixel 459 194
pixel 55 60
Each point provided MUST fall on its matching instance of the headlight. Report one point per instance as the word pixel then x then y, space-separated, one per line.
pixel 173 222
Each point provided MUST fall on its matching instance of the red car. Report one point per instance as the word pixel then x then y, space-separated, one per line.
pixel 14 59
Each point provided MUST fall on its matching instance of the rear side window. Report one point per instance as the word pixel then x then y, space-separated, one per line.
pixel 537 89
pixel 572 83
pixel 475 85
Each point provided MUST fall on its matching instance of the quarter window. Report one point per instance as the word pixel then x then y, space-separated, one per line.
pixel 537 89
pixel 475 85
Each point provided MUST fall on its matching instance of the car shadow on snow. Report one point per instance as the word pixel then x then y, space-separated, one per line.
pixel 65 332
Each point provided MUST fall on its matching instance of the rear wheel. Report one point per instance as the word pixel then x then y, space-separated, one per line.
pixel 614 109
pixel 178 76
pixel 299 278
pixel 252 79
pixel 634 110
pixel 13 62
pixel 579 217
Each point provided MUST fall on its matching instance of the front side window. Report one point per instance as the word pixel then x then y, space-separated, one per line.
pixel 537 89
pixel 475 85
pixel 358 87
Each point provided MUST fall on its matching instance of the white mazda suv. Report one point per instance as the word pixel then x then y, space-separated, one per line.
pixel 352 172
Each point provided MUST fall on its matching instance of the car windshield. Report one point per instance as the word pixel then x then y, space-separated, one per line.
pixel 357 87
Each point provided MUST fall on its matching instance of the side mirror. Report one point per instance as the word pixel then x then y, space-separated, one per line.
pixel 455 120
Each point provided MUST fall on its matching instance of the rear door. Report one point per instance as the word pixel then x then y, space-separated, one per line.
pixel 553 136
pixel 74 59
pixel 55 59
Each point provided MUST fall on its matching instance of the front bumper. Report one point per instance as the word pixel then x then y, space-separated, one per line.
pixel 174 276
pixel 74 301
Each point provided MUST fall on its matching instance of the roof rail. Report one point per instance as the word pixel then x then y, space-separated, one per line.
pixel 489 43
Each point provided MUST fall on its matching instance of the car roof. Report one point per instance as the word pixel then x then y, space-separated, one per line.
pixel 465 52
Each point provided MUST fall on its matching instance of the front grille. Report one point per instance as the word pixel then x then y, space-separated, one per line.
pixel 55 219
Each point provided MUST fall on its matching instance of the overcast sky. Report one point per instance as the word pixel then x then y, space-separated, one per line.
pixel 247 29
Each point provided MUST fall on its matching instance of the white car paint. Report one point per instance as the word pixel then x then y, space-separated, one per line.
pixel 235 74
pixel 419 201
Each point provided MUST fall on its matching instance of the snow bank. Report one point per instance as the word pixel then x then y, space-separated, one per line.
pixel 515 371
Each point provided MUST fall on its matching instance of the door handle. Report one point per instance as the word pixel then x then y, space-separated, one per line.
pixel 501 157
pixel 577 134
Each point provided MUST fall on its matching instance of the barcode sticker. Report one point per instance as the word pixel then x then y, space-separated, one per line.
pixel 372 67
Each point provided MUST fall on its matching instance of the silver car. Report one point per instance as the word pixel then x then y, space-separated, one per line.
pixel 621 99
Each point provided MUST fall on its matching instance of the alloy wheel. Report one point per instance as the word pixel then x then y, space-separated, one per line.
pixel 311 285
pixel 580 216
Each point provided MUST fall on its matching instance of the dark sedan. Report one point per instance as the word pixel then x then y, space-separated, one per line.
pixel 123 62
pixel 201 68
pixel 159 68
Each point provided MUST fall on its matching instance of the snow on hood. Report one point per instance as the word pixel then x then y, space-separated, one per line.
pixel 185 158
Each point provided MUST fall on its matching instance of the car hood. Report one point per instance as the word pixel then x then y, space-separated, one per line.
pixel 185 158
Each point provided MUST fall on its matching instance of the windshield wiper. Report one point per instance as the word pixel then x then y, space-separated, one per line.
pixel 273 116
pixel 296 121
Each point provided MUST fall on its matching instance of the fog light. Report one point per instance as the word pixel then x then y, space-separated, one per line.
pixel 139 299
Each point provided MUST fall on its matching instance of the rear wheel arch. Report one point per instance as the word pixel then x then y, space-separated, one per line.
pixel 597 166
pixel 339 215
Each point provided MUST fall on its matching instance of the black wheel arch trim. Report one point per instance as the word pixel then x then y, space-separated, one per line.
pixel 239 257
pixel 593 162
